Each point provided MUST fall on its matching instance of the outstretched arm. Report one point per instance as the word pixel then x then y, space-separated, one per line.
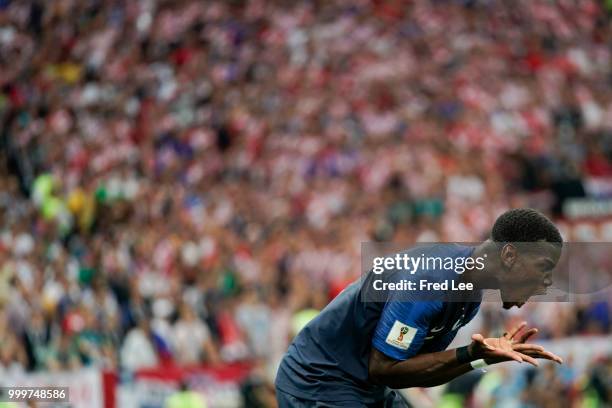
pixel 431 369
pixel 424 370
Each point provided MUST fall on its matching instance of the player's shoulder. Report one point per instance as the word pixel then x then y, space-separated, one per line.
pixel 432 307
pixel 421 308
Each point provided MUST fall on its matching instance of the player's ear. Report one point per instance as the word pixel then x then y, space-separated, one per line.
pixel 508 255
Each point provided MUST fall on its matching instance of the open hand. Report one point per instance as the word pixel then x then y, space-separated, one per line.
pixel 510 346
pixel 532 350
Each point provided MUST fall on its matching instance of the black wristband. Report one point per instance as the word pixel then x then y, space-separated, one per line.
pixel 463 355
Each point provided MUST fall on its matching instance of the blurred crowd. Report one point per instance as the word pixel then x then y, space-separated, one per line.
pixel 186 181
pixel 550 386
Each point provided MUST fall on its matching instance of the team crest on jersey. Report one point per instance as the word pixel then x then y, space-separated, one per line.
pixel 401 335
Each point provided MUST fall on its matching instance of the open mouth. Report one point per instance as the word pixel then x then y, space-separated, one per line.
pixel 508 305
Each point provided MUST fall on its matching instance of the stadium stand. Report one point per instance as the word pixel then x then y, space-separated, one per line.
pixel 180 170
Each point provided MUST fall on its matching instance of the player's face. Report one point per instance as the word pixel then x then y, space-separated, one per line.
pixel 528 273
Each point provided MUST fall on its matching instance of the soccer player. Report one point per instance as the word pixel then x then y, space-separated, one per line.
pixel 354 351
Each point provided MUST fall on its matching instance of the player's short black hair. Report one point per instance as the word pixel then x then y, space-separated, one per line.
pixel 525 225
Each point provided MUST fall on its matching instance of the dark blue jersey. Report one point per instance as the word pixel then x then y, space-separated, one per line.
pixel 328 359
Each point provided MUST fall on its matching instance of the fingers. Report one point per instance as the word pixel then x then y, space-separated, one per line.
pixel 514 331
pixel 527 347
pixel 529 359
pixel 556 357
pixel 511 355
pixel 525 336
pixel 519 352
pixel 497 352
pixel 479 338
pixel 536 351
pixel 545 355
pixel 550 356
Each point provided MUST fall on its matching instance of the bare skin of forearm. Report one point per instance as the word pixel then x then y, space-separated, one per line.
pixel 444 377
pixel 425 370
